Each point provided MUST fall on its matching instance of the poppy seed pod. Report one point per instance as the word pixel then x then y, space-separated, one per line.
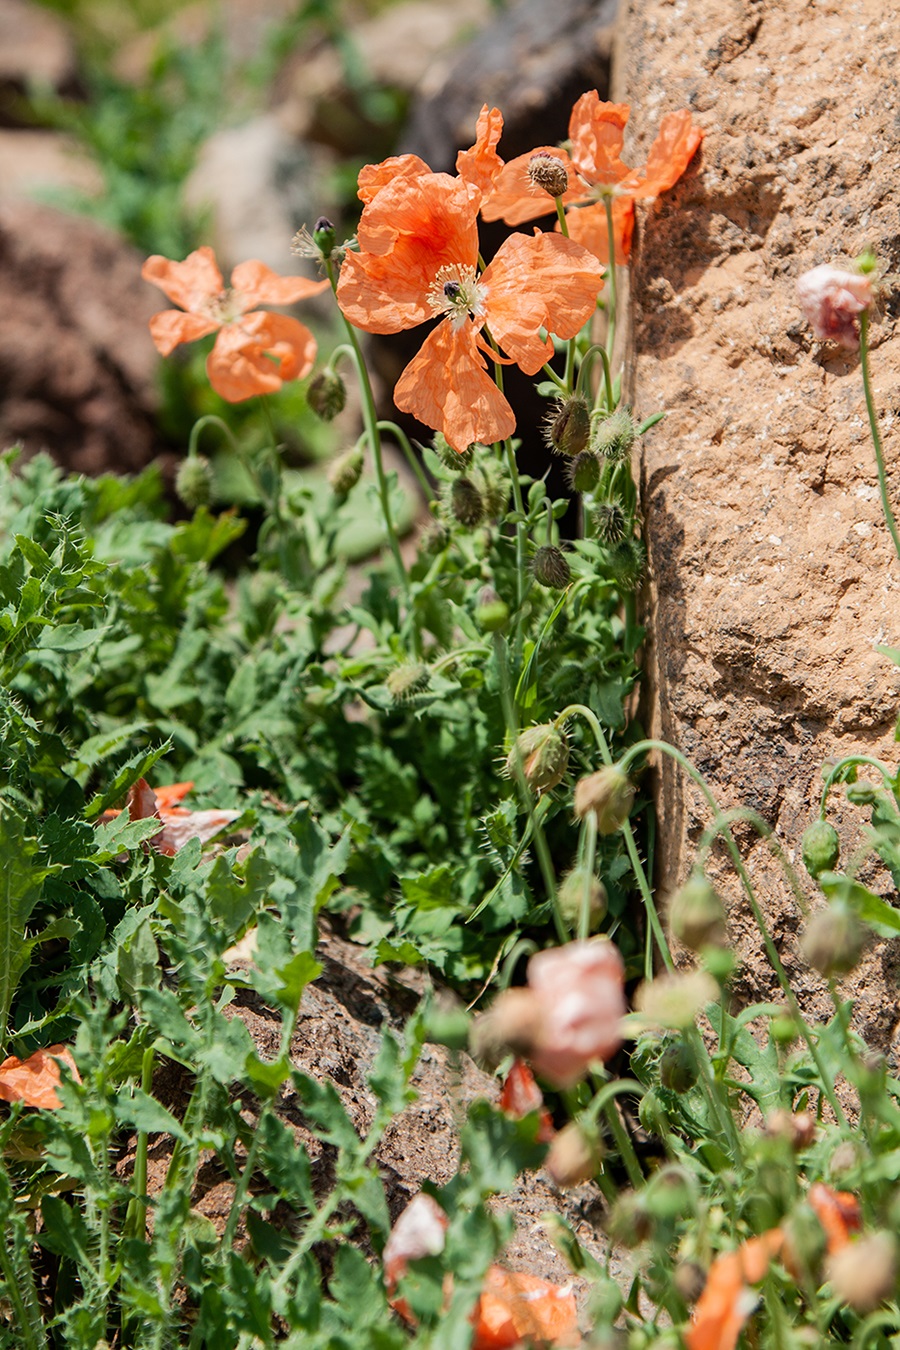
pixel 193 482
pixel 550 568
pixel 627 559
pixel 567 425
pixel 678 1069
pixel 609 794
pixel 327 394
pixel 543 753
pixel 548 172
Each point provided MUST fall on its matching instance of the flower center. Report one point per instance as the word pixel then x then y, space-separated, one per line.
pixel 224 307
pixel 455 293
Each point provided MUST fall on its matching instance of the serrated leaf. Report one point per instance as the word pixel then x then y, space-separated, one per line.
pixel 21 882
pixel 139 1109
pixel 65 1232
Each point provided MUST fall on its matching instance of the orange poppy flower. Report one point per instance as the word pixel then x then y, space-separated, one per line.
pixel 516 1308
pixel 254 352
pixel 838 1212
pixel 727 1299
pixel 596 171
pixel 34 1080
pixel 418 260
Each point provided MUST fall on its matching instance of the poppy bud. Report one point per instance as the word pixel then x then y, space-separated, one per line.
pixel 574 1155
pixel 455 460
pixel 324 235
pixel 326 394
pixel 697 915
pixel 627 560
pixel 570 898
pixel 510 1024
pixel 797 1127
pixel 543 753
pixel 550 568
pixel 466 503
pixel 567 426
pixel 628 1221
pixel 548 172
pixel 614 436
pixel 493 486
pixel 434 538
pixel 864 1272
pixel 820 846
pixel 407 680
pixel 583 472
pixel 833 940
pixel 609 794
pixel 345 472
pixel 610 522
pixel 668 1195
pixel 193 482
pixel 678 1067
pixel 862 794
pixel 720 963
pixel 491 613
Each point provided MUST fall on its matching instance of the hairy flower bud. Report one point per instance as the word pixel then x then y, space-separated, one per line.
pixel 548 172
pixel 455 460
pixel 627 559
pixel 493 485
pixel 571 896
pixel 574 1155
pixel 609 794
pixel 345 472
pixel 543 753
pixel 820 846
pixel 567 425
pixel 583 472
pixel 466 503
pixel 674 1000
pixel 678 1069
pixel 491 613
pixel 326 394
pixel 610 523
pixel 407 680
pixel 550 568
pixel 833 939
pixel 614 436
pixel 193 482
pixel 697 915
pixel 434 538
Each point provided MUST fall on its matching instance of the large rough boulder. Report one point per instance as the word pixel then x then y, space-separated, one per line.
pixel 772 573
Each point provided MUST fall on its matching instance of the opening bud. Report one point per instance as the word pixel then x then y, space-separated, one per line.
pixel 550 568
pixel 614 436
pixel 567 426
pixel 609 794
pixel 834 939
pixel 820 847
pixel 345 472
pixel 193 482
pixel 574 1155
pixel 571 897
pixel 327 394
pixel 466 503
pixel 543 753
pixel 548 172
pixel 583 472
pixel 697 915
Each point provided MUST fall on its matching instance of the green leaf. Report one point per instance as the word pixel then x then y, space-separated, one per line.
pixel 21 882
pixel 133 769
pixel 882 918
pixel 139 1109
pixel 65 1232
pixel 294 976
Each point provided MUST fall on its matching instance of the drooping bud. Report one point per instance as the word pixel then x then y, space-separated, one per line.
pixel 610 522
pixel 548 172
pixel 434 538
pixel 574 1155
pixel 627 560
pixel 678 1067
pixel 614 436
pixel 345 472
pixel 407 680
pixel 466 503
pixel 543 753
pixel 326 394
pixel 833 940
pixel 583 472
pixel 697 915
pixel 455 460
pixel 571 896
pixel 820 846
pixel 567 425
pixel 609 794
pixel 629 1221
pixel 193 482
pixel 669 1195
pixel 491 613
pixel 550 568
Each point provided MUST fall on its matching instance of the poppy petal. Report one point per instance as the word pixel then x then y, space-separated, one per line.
pixel 587 226
pixel 190 284
pixel 256 355
pixel 515 198
pixel 259 285
pixel 726 1301
pixel 373 177
pixel 596 131
pixel 480 166
pixel 170 794
pixel 670 154
pixel 34 1080
pixel 171 327
pixel 515 1307
pixel 446 387
pixel 539 281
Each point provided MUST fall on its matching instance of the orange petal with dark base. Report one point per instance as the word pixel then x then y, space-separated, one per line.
pixel 259 285
pixel 446 387
pixel 256 355
pixel 190 283
pixel 596 132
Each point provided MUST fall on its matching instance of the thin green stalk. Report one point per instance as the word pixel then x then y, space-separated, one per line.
pixel 604 1100
pixel 873 428
pixel 412 458
pixel 243 1186
pixel 588 853
pixel 135 1217
pixel 210 420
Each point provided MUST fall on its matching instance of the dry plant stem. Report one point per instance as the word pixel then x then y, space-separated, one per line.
pixel 642 748
pixel 873 427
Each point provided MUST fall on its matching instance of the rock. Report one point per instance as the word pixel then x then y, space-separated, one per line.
pixel 36 52
pixel 773 575
pixel 44 164
pixel 77 367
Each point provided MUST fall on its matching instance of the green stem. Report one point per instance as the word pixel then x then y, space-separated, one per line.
pixel 135 1221
pixel 210 420
pixel 18 1275
pixel 838 770
pixel 604 1100
pixel 588 854
pixel 873 427
pixel 412 458
pixel 241 1189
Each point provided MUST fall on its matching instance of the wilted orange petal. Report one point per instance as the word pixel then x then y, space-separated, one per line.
pixel 241 363
pixel 541 280
pixel 446 387
pixel 190 283
pixel 259 285
pixel 34 1080
pixel 516 1307
pixel 171 327
pixel 179 826
pixel 373 177
pixel 170 794
pixel 837 1211
pixel 670 154
pixel 587 226
pixel 480 166
pixel 726 1301
pixel 596 132
pixel 521 1095
pixel 515 198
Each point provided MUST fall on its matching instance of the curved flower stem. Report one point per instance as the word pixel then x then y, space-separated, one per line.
pixel 210 419
pixel 743 814
pixel 837 770
pixel 540 839
pixel 604 1100
pixel 641 748
pixel 588 853
pixel 611 278
pixel 370 420
pixel 873 427
pixel 412 458
pixel 580 710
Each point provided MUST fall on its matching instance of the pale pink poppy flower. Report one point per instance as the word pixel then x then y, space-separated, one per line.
pixel 578 993
pixel 418 1232
pixel 832 300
